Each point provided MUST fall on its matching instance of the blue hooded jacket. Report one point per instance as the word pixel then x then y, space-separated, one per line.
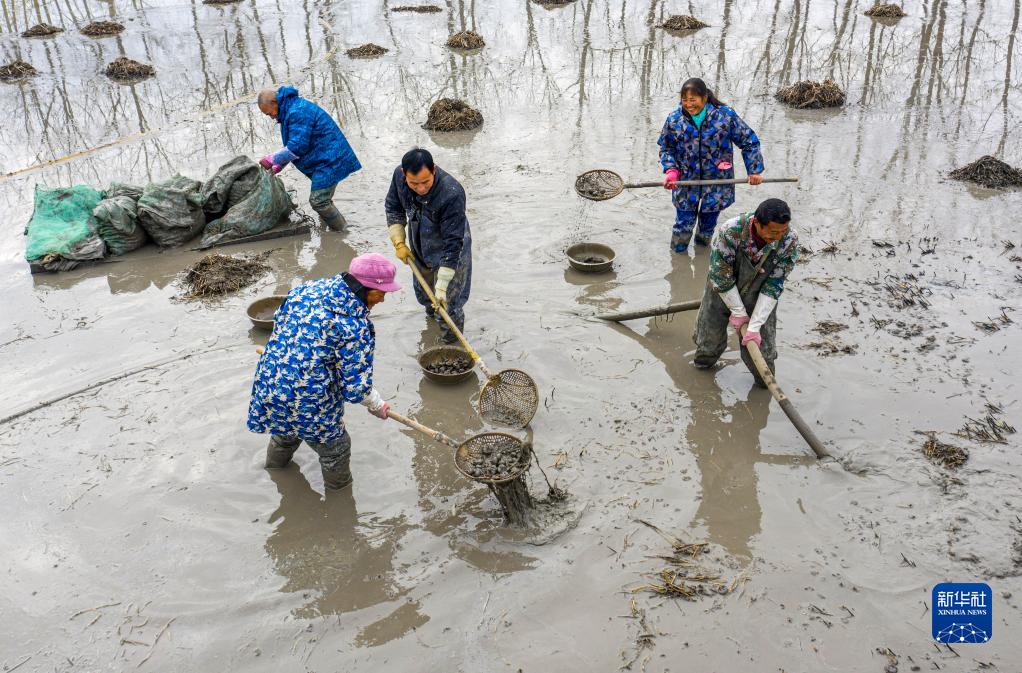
pixel 324 155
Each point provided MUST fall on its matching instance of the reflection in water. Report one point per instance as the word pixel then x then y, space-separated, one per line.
pixel 725 439
pixel 320 546
pixel 448 501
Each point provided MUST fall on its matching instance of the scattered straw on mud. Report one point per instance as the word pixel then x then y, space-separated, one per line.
pixel 684 578
pixel 987 428
pixel 17 70
pixel 42 30
pixel 829 327
pixel 829 347
pixel 809 94
pixel 448 114
pixel 418 9
pixel 216 275
pixel 367 50
pixel 683 22
pixel 127 70
pixel 906 292
pixel 948 455
pixel 102 28
pixel 994 324
pixel 989 172
pixel 886 10
pixel 466 39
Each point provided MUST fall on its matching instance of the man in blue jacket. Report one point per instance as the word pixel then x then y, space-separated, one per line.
pixel 314 143
pixel 428 201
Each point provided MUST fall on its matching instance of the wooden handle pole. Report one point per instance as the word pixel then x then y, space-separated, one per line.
pixel 430 432
pixel 650 312
pixel 450 323
pixel 705 183
pixel 786 406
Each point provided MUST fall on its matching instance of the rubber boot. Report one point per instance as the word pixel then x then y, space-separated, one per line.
pixel 278 456
pixel 339 477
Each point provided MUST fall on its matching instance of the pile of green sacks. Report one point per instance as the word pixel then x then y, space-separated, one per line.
pixel 74 224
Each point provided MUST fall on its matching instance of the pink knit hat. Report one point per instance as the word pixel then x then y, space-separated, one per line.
pixel 374 271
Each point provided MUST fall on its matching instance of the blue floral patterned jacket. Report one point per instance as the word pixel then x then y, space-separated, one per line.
pixel 706 153
pixel 319 356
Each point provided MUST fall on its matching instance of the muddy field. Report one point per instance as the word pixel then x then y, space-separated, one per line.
pixel 141 532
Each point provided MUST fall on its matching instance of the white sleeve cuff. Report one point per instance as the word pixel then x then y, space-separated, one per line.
pixel 733 300
pixel 764 307
pixel 373 400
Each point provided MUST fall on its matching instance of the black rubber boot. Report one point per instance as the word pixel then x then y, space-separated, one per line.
pixel 278 455
pixel 339 477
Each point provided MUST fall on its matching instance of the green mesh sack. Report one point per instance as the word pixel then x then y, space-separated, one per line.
pixel 61 223
pixel 171 211
pixel 242 199
pixel 117 219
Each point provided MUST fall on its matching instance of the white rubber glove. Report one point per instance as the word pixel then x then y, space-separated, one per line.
pixel 374 402
pixel 444 276
pixel 764 307
pixel 397 237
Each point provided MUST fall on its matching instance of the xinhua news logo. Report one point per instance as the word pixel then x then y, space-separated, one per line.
pixel 962 612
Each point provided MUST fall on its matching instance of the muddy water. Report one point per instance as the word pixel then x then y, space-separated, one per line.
pixel 146 494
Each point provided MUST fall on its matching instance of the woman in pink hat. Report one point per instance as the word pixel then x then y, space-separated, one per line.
pixel 320 356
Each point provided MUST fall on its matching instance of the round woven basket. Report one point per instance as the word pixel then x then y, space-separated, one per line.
pixel 470 449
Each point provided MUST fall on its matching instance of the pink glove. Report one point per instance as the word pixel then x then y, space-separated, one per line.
pixel 737 321
pixel 752 336
pixel 381 413
pixel 670 177
pixel 267 162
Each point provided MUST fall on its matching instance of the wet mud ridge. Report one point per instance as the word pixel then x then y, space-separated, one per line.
pixel 466 39
pixel 216 275
pixel 448 114
pixel 16 70
pixel 102 28
pixel 417 9
pixel 683 22
pixel 124 69
pixel 367 50
pixel 809 94
pixel 886 10
pixel 989 172
pixel 42 30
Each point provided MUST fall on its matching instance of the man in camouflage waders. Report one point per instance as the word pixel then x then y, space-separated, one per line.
pixel 750 257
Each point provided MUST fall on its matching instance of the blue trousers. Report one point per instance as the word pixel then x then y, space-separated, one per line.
pixel 685 222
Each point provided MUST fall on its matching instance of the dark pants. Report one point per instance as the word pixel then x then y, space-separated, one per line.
pixel 712 327
pixel 322 201
pixel 457 297
pixel 333 456
pixel 685 222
